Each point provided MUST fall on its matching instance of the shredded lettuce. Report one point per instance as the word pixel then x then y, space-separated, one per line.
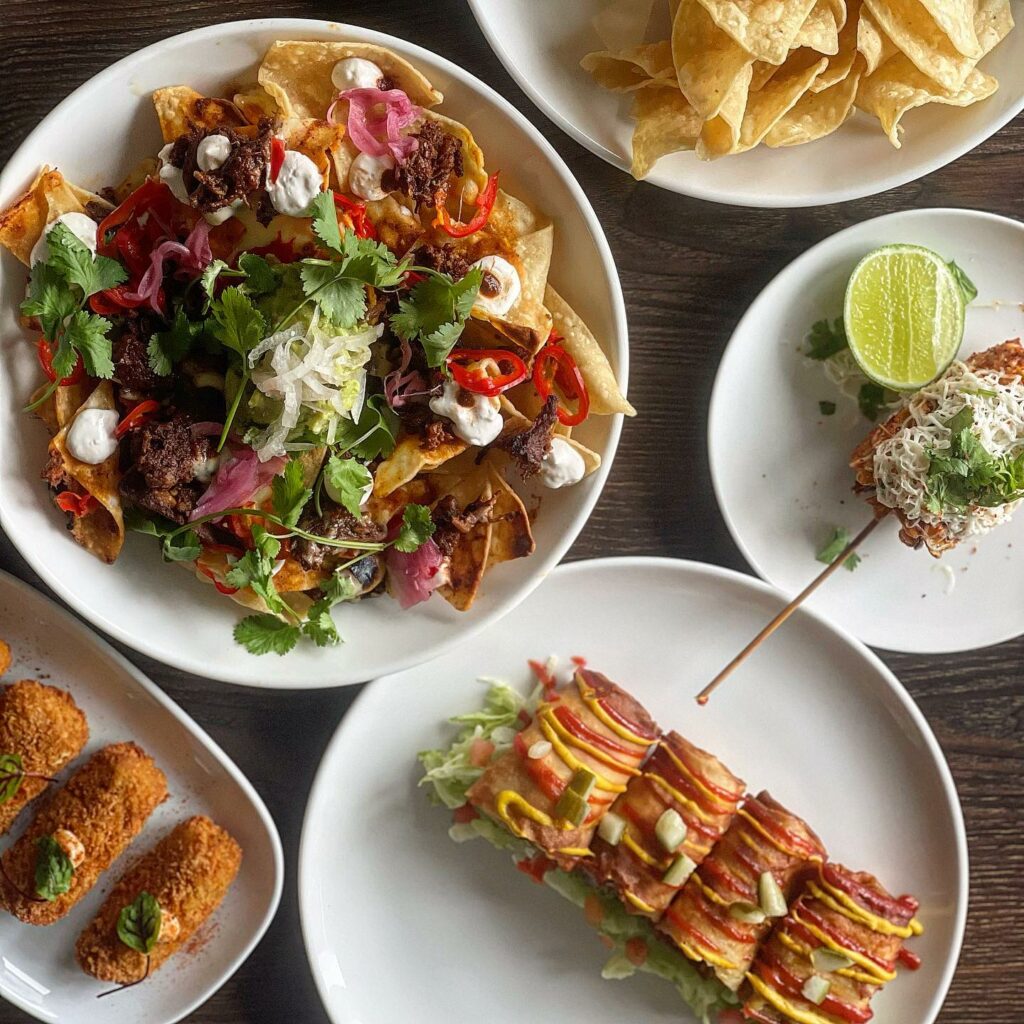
pixel 449 773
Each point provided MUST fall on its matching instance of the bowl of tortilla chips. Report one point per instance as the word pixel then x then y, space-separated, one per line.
pixel 774 103
pixel 315 315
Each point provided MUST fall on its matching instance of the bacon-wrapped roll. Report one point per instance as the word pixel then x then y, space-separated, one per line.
pixel 839 943
pixel 665 824
pixel 567 766
pixel 727 905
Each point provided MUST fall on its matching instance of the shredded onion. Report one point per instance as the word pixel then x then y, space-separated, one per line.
pixel 375 133
pixel 401 384
pixel 414 576
pixel 238 479
pixel 192 256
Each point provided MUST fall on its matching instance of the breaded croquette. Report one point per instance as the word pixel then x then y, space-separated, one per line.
pixel 188 873
pixel 5 657
pixel 93 818
pixel 46 729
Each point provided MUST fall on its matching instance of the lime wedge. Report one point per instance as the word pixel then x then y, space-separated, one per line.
pixel 904 315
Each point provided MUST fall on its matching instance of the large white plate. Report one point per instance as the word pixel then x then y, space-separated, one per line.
pixel 541 45
pixel 816 718
pixel 781 471
pixel 94 136
pixel 37 965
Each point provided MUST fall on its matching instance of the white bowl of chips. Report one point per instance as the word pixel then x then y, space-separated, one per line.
pixel 100 132
pixel 929 97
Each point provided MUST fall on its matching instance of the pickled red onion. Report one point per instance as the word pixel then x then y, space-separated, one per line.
pixel 239 476
pixel 192 256
pixel 414 576
pixel 378 134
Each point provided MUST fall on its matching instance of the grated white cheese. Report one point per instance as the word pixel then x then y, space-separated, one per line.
pixel 901 462
pixel 843 371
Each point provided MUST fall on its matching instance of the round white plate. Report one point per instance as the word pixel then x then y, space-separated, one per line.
pixel 94 136
pixel 38 972
pixel 541 45
pixel 781 469
pixel 815 717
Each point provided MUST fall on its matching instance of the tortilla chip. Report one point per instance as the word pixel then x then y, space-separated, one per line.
pixel 256 103
pixel 820 31
pixel 956 19
pixel 629 70
pixel 897 86
pixel 840 64
pixel 761 74
pixel 709 63
pixel 408 460
pixel 872 43
pixel 605 396
pixel 101 532
pixel 511 534
pixel 421 491
pixel 469 557
pixel 721 134
pixel 180 109
pixel 591 460
pixel 318 140
pixel 665 123
pixel 817 114
pixel 841 12
pixel 474 177
pixel 49 196
pixel 297 74
pixel 768 31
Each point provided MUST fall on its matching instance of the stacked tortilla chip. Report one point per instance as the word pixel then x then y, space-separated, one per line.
pixel 737 73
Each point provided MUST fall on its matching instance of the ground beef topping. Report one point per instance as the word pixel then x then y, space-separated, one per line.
pixel 335 523
pixel 445 259
pixel 53 472
pixel 131 361
pixel 451 522
pixel 429 171
pixel 436 434
pixel 528 447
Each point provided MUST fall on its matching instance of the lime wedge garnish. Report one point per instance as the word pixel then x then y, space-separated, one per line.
pixel 904 315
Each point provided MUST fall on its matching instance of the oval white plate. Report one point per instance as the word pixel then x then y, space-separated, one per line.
pixel 541 45
pixel 38 972
pixel 816 718
pixel 94 136
pixel 780 468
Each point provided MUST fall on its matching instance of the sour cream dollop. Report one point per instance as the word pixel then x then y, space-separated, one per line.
pixel 366 175
pixel 477 423
pixel 81 226
pixel 501 286
pixel 212 152
pixel 224 213
pixel 355 73
pixel 91 439
pixel 563 466
pixel 297 184
pixel 171 176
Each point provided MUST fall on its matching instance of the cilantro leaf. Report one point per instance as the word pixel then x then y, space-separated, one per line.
pixel 208 278
pixel 238 324
pixel 183 548
pixel 138 924
pixel 290 493
pixel 86 333
pixel 435 311
pixel 346 481
pixel 255 569
pixel 259 274
pixel 827 408
pixel 325 221
pixel 320 627
pixel 371 262
pixel 49 299
pixel 825 340
pixel 168 347
pixel 266 634
pixel 176 547
pixel 342 586
pixel 54 870
pixel 416 529
pixel 439 344
pixel 12 772
pixel 77 265
pixel 834 548
pixel 967 287
pixel 342 299
pixel 373 434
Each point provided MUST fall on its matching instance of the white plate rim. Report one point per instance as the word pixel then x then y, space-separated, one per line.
pixel 543 561
pixel 718 396
pixel 86 636
pixel 712 195
pixel 320 791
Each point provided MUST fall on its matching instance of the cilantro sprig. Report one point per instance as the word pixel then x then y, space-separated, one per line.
pixel 835 546
pixel 239 326
pixel 825 339
pixel 436 311
pixel 59 288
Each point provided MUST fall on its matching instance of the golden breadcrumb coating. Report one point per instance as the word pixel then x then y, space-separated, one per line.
pixel 105 804
pixel 46 729
pixel 188 873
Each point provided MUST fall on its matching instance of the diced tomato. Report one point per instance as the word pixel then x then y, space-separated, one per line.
pixel 636 951
pixel 480 751
pixel 465 814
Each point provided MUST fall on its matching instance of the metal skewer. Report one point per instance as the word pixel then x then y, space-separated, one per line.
pixel 702 697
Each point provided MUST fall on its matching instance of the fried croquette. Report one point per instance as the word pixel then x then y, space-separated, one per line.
pixel 46 729
pixel 5 657
pixel 188 872
pixel 93 818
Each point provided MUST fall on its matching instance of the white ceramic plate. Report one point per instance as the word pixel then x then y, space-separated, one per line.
pixel 780 468
pixel 816 718
pixel 38 972
pixel 541 45
pixel 94 136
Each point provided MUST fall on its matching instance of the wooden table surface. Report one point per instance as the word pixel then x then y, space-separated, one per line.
pixel 689 269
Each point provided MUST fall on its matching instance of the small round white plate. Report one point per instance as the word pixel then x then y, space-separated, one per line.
pixel 95 136
pixel 541 45
pixel 815 717
pixel 38 972
pixel 781 469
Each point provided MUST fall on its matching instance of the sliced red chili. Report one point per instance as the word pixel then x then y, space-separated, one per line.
pixel 281 249
pixel 361 223
pixel 484 205
pixel 45 353
pixel 413 278
pixel 223 588
pixel 136 417
pixel 473 378
pixel 114 301
pixel 277 152
pixel 552 366
pixel 151 196
pixel 76 505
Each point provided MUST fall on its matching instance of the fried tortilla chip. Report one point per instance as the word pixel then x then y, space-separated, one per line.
pixel 256 103
pixel 629 70
pixel 709 63
pixel 474 177
pixel 297 74
pixel 872 43
pixel 956 19
pixel 180 109
pixel 410 458
pixel 820 30
pixel 840 64
pixel 319 140
pixel 49 196
pixel 469 558
pixel 768 31
pixel 603 388
pixel 721 134
pixel 665 123
pixel 817 114
pixel 101 531
pixel 511 534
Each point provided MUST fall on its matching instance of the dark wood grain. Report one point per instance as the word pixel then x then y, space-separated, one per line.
pixel 688 269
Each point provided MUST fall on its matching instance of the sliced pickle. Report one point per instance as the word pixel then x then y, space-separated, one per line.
pixel 770 896
pixel 572 805
pixel 611 828
pixel 827 960
pixel 748 913
pixel 815 989
pixel 670 830
pixel 679 871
